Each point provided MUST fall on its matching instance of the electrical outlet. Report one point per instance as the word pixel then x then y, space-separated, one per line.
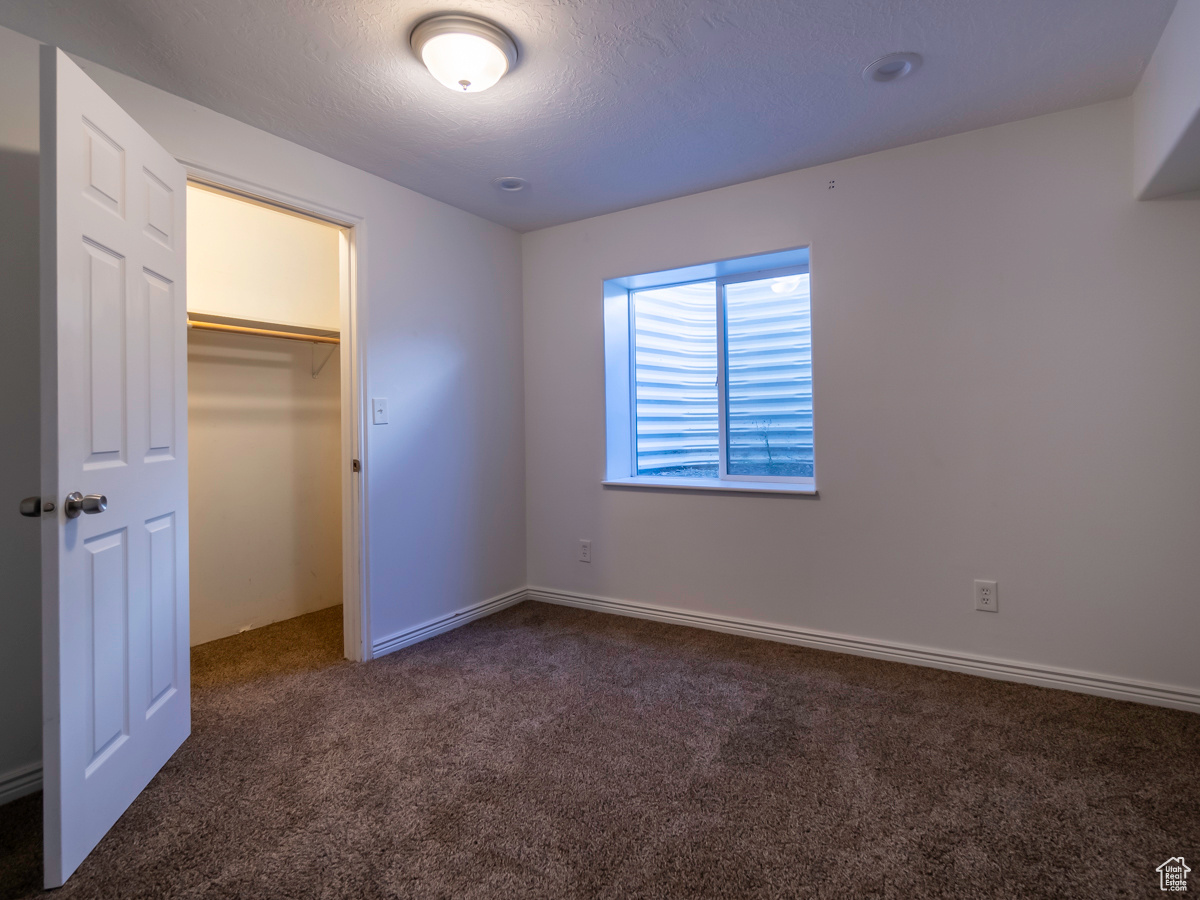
pixel 585 551
pixel 379 411
pixel 986 597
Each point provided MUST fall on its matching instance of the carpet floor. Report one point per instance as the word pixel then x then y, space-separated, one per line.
pixel 546 752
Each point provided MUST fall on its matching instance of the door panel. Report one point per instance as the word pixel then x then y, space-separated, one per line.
pixel 105 324
pixel 109 590
pixel 115 644
pixel 160 209
pixel 105 162
pixel 163 649
pixel 162 321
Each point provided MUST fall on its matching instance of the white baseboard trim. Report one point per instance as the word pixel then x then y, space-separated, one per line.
pixel 16 783
pixel 1002 669
pixel 418 633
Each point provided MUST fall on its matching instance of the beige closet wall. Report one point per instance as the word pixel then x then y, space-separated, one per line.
pixel 264 435
pixel 251 261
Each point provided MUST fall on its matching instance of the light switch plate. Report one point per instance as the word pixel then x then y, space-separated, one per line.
pixel 379 411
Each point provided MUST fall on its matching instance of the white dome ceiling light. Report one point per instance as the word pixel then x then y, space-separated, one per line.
pixel 892 67
pixel 465 53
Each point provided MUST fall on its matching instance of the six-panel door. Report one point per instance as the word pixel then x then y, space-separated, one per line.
pixel 115 628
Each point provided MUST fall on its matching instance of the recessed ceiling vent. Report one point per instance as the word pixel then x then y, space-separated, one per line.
pixel 892 67
pixel 510 183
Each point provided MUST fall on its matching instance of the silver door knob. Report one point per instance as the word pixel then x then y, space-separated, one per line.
pixel 32 507
pixel 91 504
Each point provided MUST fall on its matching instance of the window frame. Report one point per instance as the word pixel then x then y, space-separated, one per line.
pixel 620 358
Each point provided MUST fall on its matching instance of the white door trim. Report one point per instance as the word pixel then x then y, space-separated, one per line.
pixel 356 616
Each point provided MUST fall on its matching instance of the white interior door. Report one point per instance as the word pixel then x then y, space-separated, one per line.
pixel 117 698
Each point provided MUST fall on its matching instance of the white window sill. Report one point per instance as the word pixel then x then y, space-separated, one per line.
pixel 710 484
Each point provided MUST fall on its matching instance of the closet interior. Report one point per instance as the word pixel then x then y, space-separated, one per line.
pixel 264 419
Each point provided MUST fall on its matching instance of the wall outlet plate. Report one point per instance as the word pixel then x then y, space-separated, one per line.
pixel 585 551
pixel 986 597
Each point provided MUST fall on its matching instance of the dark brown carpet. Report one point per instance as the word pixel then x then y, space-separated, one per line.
pixel 552 753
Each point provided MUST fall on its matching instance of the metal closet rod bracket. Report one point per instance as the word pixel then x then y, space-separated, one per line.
pixel 323 356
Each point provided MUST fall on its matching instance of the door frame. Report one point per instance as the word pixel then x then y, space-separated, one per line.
pixel 356 594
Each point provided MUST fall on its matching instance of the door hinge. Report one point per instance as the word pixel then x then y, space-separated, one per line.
pixel 34 507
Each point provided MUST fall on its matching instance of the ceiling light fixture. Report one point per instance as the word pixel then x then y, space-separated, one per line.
pixel 465 53
pixel 892 67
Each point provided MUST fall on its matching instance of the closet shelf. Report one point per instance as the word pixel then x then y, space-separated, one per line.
pixel 266 332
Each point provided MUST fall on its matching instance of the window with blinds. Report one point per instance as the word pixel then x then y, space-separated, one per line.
pixel 721 378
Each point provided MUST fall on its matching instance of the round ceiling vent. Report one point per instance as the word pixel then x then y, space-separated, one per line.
pixel 892 67
pixel 510 183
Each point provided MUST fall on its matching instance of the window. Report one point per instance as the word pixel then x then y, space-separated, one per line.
pixel 709 376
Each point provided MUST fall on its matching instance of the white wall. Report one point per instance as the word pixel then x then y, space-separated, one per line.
pixel 264 448
pixel 1006 379
pixel 440 296
pixel 20 543
pixel 1166 109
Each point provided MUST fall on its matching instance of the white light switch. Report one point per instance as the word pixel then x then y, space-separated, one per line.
pixel 379 411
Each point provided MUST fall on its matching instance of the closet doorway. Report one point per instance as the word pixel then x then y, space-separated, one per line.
pixel 273 417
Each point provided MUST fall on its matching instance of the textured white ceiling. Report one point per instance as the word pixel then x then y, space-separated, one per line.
pixel 613 103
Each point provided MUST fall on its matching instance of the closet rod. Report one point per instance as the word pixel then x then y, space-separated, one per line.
pixel 265 332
